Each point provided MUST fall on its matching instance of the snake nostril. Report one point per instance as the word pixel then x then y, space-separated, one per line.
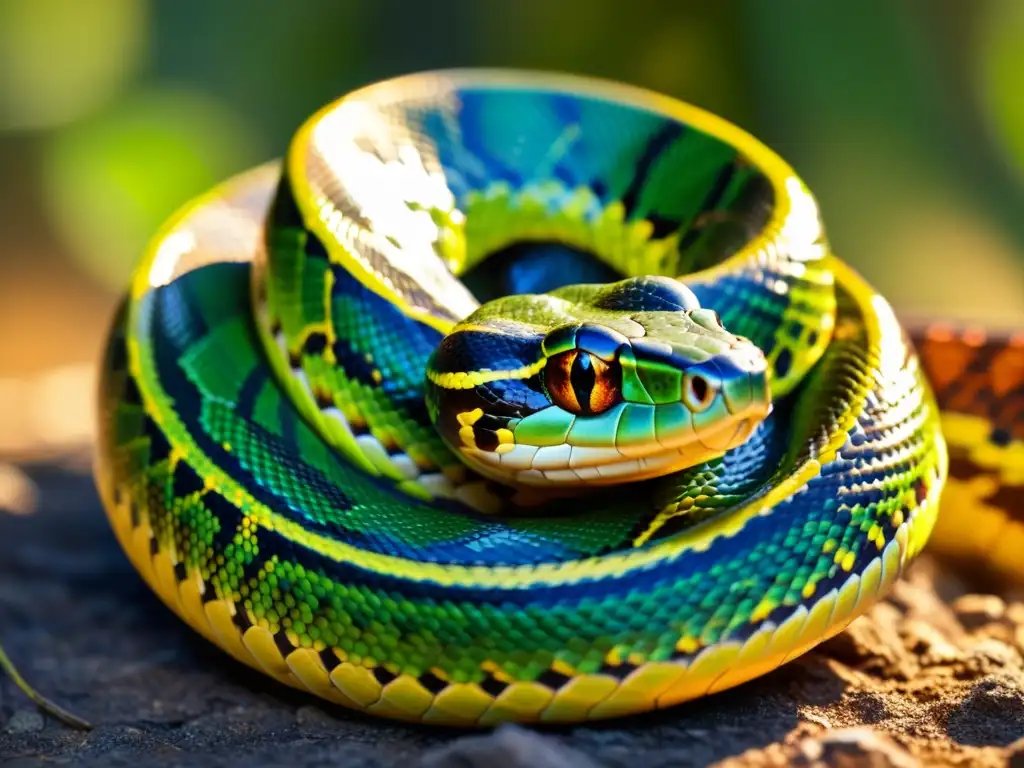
pixel 698 392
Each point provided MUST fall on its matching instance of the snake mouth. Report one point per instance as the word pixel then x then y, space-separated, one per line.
pixel 629 442
pixel 579 461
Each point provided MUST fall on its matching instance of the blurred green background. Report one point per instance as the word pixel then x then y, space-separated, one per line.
pixel 906 119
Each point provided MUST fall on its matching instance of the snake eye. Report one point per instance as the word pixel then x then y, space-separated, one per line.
pixel 698 393
pixel 582 383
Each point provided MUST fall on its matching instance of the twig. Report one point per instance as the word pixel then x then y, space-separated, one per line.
pixel 47 706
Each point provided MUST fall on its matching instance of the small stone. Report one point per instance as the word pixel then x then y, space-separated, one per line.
pixel 853 748
pixel 989 656
pixel 510 746
pixel 817 719
pixel 873 645
pixel 929 644
pixel 312 717
pixel 976 611
pixel 871 640
pixel 25 721
pixel 1014 614
pixel 917 599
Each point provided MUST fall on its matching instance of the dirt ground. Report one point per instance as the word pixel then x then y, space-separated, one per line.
pixel 934 675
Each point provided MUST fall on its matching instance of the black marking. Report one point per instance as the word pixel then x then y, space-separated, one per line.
pixel 284 211
pixel 330 659
pixel 658 143
pixel 135 513
pixel 208 593
pixel 179 572
pixel 284 645
pixel 432 682
pixel 353 363
pixel 130 394
pixel 393 449
pixel 962 468
pixel 661 226
pixel 783 362
pixel 383 675
pixel 358 428
pixel 186 480
pixel 241 618
pixel 117 350
pixel 315 344
pixel 1001 436
pixel 228 516
pixel 315 248
pixel 323 398
pixel 1010 499
pixel 552 679
pixel 491 422
pixel 618 671
pixel 490 684
pixel 249 391
pixel 485 439
pixel 154 546
pixel 159 448
pixel 505 399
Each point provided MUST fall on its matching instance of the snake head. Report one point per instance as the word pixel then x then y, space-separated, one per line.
pixel 592 385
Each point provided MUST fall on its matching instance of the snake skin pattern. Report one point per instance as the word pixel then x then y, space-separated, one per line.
pixel 270 463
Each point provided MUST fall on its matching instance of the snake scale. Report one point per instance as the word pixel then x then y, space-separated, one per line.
pixel 512 396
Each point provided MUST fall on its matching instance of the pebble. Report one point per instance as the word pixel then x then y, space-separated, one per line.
pixel 853 748
pixel 929 644
pixel 25 721
pixel 976 611
pixel 511 746
pixel 990 655
pixel 313 717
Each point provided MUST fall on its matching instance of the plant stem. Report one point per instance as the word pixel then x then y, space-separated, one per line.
pixel 47 706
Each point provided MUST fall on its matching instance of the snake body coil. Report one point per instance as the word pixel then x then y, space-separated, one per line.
pixel 603 491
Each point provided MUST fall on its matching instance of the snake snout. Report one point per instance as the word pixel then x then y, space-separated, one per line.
pixel 744 400
pixel 745 384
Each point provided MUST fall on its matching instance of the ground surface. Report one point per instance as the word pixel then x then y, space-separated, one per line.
pixel 932 676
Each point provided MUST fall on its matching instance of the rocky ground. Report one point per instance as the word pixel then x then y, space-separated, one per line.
pixel 932 676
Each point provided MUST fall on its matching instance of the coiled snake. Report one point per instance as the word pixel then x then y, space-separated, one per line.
pixel 678 444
